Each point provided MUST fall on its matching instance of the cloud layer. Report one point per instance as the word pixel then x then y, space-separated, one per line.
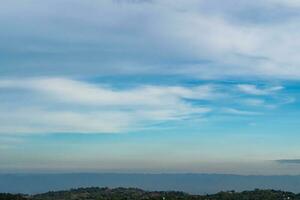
pixel 52 105
pixel 194 81
pixel 203 39
pixel 65 105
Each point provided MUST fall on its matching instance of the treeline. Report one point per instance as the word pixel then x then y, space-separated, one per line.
pixel 5 196
pixel 95 193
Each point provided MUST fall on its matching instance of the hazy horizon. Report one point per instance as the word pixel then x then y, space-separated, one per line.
pixel 190 183
pixel 149 86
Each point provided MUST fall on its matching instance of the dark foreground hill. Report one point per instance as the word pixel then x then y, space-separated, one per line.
pixel 95 193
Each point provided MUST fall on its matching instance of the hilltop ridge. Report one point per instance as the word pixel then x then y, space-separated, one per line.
pixel 96 193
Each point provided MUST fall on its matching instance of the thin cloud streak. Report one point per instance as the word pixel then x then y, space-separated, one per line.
pixel 239 112
pixel 254 90
pixel 288 161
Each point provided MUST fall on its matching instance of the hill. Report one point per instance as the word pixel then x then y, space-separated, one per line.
pixel 95 193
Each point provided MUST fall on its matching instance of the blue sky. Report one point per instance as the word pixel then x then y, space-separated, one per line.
pixel 150 86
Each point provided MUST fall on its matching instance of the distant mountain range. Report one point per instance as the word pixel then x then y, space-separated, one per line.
pixel 190 183
pixel 95 193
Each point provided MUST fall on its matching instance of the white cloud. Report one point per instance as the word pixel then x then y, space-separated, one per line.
pixel 254 90
pixel 289 3
pixel 71 91
pixel 186 34
pixel 234 111
pixel 56 104
pixel 254 102
pixel 65 105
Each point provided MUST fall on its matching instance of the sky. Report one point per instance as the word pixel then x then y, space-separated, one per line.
pixel 152 86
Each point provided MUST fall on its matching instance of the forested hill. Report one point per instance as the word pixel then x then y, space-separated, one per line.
pixel 95 193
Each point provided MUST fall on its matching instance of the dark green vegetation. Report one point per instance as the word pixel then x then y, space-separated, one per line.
pixel 95 193
pixel 5 196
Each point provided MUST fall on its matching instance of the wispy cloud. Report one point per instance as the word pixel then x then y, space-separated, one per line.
pixel 203 39
pixel 254 90
pixel 289 3
pixel 254 102
pixel 47 105
pixel 65 105
pixel 68 90
pixel 234 111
